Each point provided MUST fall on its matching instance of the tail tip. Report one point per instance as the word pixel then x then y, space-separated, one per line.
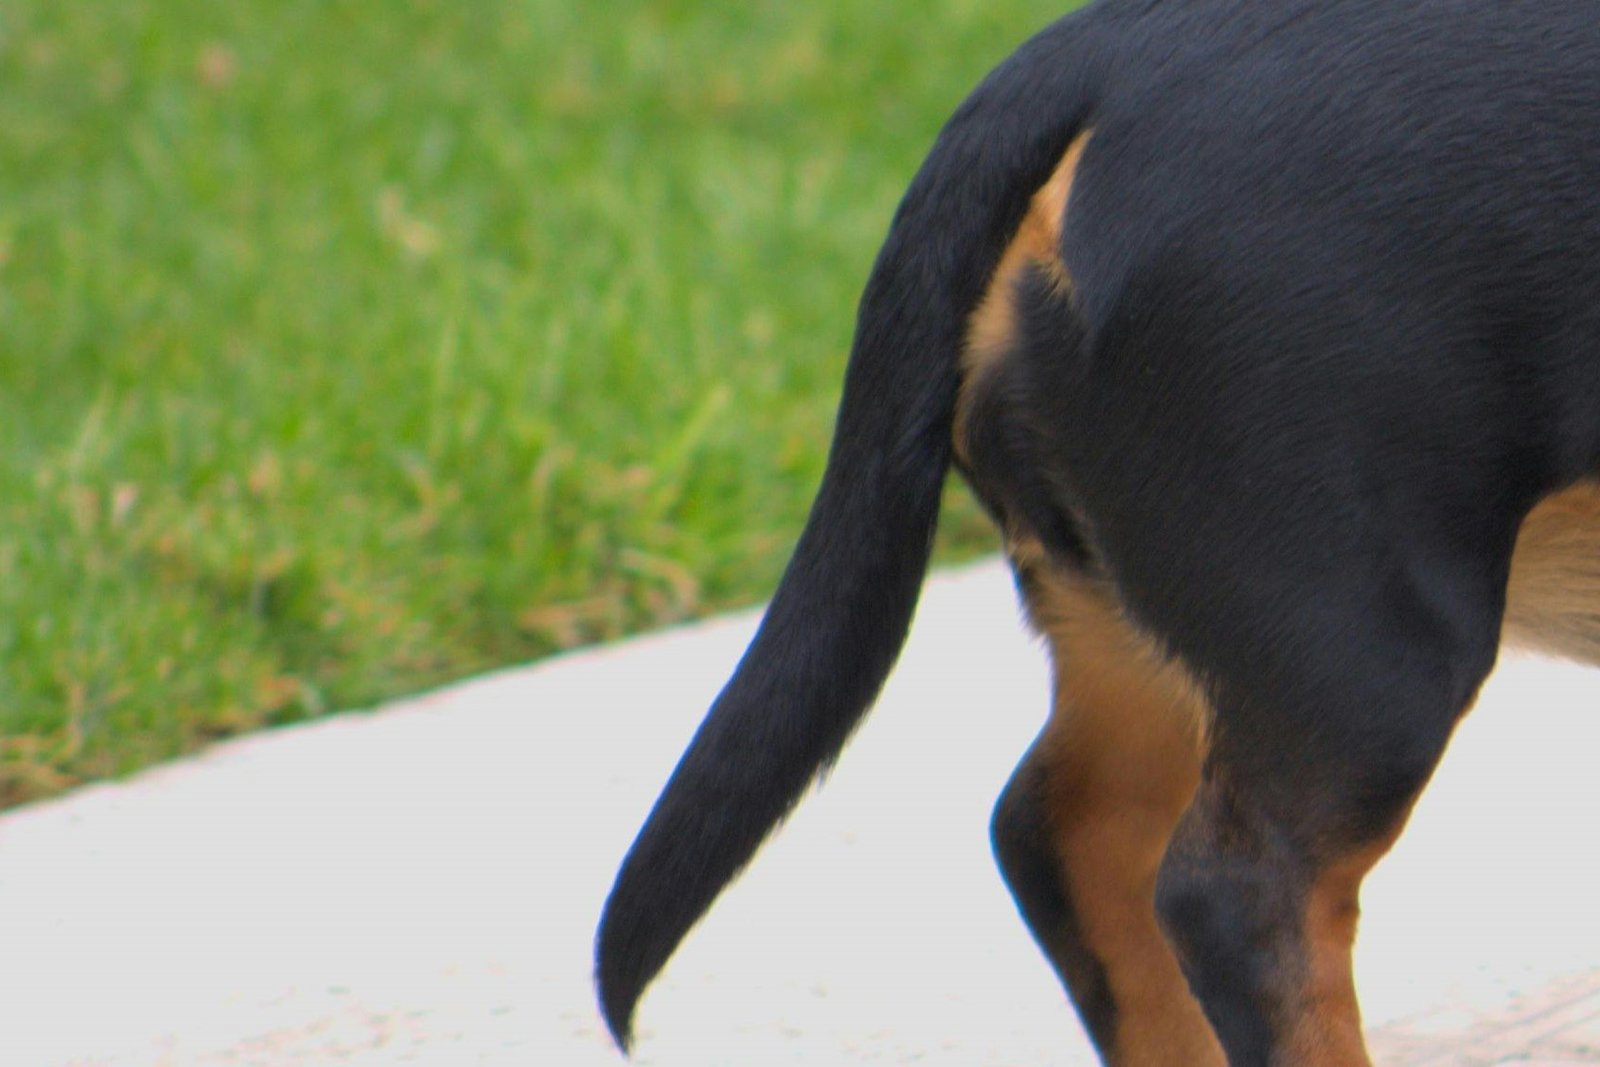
pixel 618 1014
pixel 618 995
pixel 617 1010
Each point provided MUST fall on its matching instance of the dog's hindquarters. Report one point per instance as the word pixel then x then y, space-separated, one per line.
pixel 1327 600
pixel 1265 441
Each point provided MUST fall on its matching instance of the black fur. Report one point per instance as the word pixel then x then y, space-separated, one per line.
pixel 1332 331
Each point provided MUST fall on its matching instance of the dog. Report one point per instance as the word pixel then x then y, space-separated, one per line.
pixel 1269 335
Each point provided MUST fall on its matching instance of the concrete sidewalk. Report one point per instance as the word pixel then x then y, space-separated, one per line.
pixel 420 886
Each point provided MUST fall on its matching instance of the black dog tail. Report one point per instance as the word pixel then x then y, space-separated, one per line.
pixel 841 612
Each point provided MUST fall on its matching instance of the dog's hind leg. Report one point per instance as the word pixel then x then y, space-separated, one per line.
pixel 1313 769
pixel 1082 826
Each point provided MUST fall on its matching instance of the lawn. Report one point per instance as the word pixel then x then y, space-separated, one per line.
pixel 348 347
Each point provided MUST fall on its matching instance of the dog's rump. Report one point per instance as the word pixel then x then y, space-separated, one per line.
pixel 1356 240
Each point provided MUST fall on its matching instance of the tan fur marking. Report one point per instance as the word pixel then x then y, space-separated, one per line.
pixel 992 329
pixel 1123 749
pixel 1553 601
pixel 1327 1030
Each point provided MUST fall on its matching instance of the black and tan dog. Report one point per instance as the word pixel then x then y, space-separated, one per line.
pixel 1270 334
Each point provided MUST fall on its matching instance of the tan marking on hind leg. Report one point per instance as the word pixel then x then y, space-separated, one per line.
pixel 1553 599
pixel 1327 1030
pixel 992 329
pixel 1122 749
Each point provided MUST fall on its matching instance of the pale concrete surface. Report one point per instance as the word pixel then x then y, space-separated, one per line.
pixel 420 886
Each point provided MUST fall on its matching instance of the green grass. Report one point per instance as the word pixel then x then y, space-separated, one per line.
pixel 348 346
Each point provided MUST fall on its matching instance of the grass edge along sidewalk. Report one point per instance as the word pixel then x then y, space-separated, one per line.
pixel 346 351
